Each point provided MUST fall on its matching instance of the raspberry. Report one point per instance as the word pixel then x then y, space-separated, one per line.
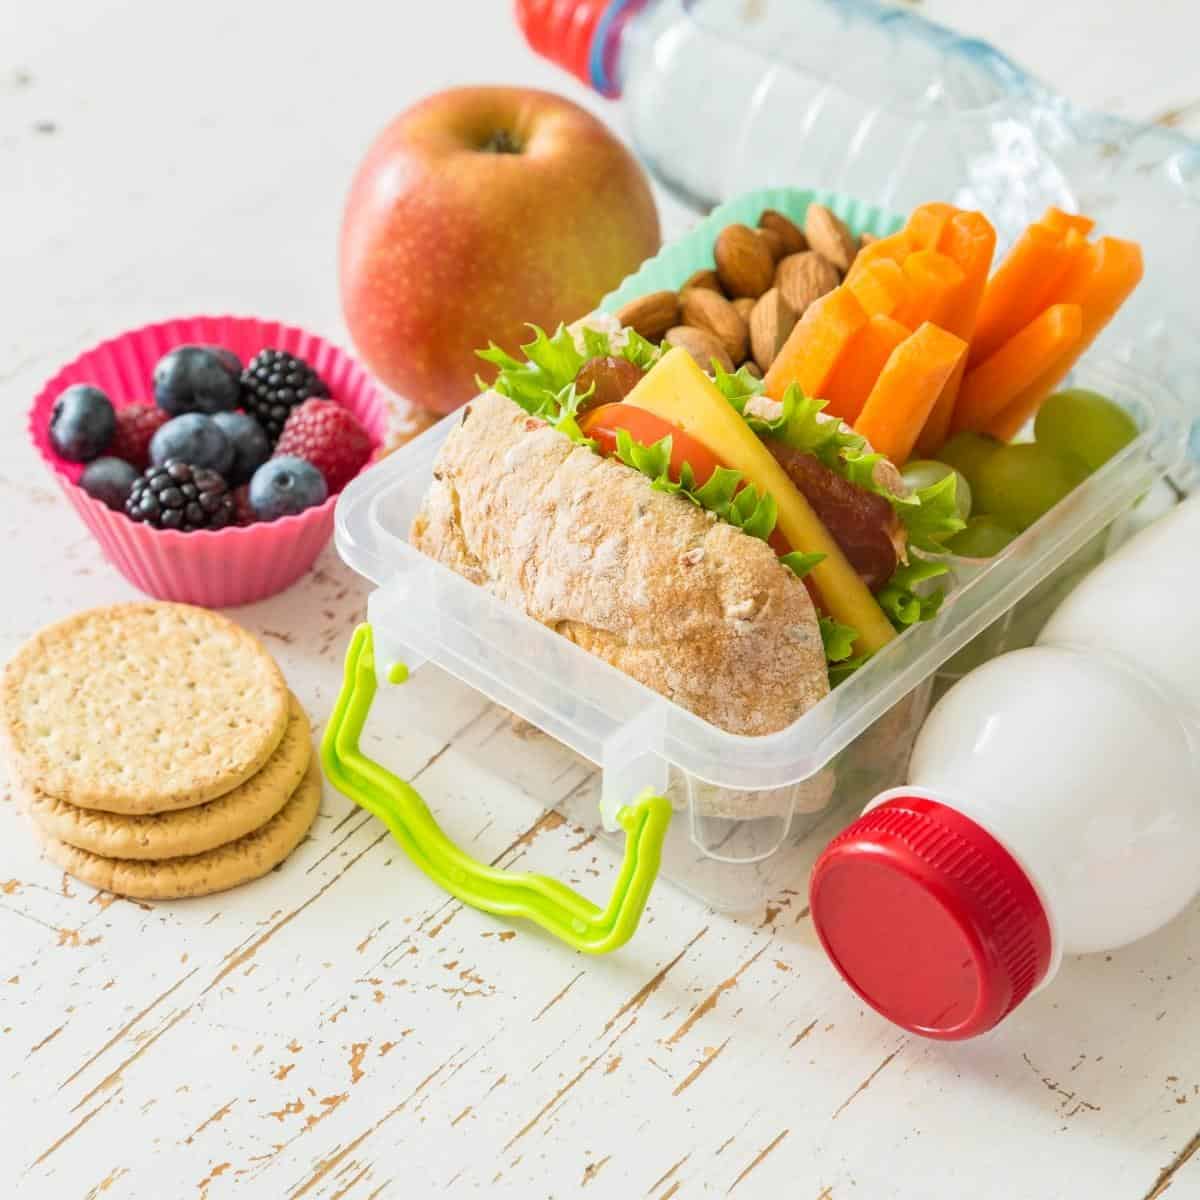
pixel 243 513
pixel 136 425
pixel 328 436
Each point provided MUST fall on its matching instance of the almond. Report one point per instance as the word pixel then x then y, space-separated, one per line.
pixel 751 369
pixel 651 315
pixel 700 344
pixel 830 237
pixel 786 228
pixel 744 264
pixel 805 277
pixel 706 277
pixel 865 239
pixel 744 306
pixel 770 323
pixel 774 242
pixel 710 311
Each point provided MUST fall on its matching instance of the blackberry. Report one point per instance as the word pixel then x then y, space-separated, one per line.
pixel 179 496
pixel 273 384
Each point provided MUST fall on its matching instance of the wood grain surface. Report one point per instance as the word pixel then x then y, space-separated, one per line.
pixel 341 1029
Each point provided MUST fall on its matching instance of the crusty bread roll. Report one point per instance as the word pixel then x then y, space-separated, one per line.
pixel 687 604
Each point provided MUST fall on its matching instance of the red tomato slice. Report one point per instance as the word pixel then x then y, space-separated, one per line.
pixel 602 423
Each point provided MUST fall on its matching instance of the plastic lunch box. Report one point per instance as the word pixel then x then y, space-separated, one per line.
pixel 729 816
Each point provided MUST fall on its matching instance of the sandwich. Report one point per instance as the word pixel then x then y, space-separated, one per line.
pixel 739 555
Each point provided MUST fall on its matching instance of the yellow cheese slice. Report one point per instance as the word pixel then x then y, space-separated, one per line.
pixel 677 390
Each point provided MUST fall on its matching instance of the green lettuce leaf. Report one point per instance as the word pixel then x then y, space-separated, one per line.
pixel 595 342
pixel 752 512
pixel 543 384
pixel 550 366
pixel 800 563
pixel 798 425
pixel 838 639
pixel 639 351
pixel 566 420
pixel 928 515
pixel 904 606
pixel 901 601
pixel 652 461
pixel 839 672
pixel 934 517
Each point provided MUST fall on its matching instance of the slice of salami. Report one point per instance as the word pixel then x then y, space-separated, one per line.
pixel 863 524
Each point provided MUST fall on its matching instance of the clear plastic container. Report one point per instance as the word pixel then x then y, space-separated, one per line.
pixel 744 806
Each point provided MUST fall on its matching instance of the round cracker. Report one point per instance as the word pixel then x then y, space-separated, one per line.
pixel 216 870
pixel 142 708
pixel 187 830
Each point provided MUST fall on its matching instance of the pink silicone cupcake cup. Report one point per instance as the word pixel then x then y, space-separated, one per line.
pixel 216 569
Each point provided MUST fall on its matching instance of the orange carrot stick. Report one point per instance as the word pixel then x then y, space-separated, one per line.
pixel 1024 284
pixel 1061 222
pixel 896 246
pixel 926 222
pixel 1100 284
pixel 881 287
pixel 815 344
pixel 854 376
pixel 933 278
pixel 993 385
pixel 907 389
pixel 970 240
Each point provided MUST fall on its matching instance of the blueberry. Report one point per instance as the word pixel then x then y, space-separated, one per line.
pixel 82 423
pixel 228 357
pixel 109 481
pixel 194 439
pixel 197 379
pixel 285 485
pixel 250 445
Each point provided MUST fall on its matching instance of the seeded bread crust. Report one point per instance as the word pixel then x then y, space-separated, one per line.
pixel 682 602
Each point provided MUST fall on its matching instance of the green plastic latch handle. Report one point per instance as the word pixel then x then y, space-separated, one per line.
pixel 555 907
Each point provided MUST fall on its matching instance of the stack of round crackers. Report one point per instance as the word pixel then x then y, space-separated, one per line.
pixel 158 751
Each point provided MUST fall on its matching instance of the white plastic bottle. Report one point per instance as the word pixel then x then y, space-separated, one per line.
pixel 1053 805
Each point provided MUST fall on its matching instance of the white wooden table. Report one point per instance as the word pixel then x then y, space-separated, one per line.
pixel 340 1029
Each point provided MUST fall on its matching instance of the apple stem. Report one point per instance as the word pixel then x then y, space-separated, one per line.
pixel 501 142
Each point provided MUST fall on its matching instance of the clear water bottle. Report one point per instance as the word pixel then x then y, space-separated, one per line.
pixel 721 96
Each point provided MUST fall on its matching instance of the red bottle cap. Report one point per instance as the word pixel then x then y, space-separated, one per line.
pixel 929 919
pixel 582 36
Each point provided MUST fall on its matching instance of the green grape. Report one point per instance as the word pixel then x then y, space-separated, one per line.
pixel 967 452
pixel 983 537
pixel 924 472
pixel 1085 424
pixel 1017 484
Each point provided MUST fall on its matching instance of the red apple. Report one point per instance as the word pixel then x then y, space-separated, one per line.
pixel 476 211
